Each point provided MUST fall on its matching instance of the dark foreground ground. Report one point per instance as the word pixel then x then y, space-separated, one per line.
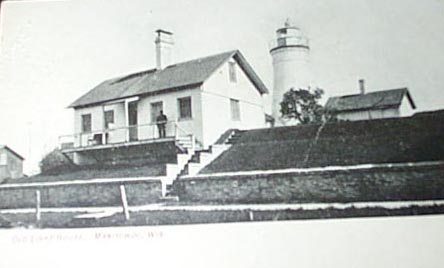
pixel 174 217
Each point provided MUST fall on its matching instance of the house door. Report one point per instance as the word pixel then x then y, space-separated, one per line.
pixel 156 107
pixel 132 120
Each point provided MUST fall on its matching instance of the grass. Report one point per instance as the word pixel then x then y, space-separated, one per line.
pixel 394 140
pixel 174 217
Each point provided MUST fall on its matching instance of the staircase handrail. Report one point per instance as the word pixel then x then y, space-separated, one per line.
pixel 179 129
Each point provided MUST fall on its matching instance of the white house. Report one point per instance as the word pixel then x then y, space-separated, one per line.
pixel 202 98
pixel 372 105
pixel 11 163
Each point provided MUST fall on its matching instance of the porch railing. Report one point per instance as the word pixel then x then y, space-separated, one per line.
pixel 120 135
pixel 288 41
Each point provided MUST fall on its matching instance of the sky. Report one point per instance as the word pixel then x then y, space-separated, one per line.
pixel 52 52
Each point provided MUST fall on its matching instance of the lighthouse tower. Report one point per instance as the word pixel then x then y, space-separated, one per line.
pixel 290 53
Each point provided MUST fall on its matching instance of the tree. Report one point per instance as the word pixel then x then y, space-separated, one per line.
pixel 302 105
pixel 55 162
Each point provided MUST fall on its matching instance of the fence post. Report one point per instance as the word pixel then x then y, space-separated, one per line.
pixel 251 215
pixel 124 202
pixel 37 205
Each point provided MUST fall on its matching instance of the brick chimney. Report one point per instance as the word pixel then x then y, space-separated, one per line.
pixel 362 86
pixel 164 48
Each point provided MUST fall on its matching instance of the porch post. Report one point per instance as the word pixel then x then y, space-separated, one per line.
pixel 103 125
pixel 127 120
pixel 193 142
pixel 175 130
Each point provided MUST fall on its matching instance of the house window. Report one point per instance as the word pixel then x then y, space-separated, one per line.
pixel 86 123
pixel 3 159
pixel 184 108
pixel 156 107
pixel 232 71
pixel 282 41
pixel 109 119
pixel 235 110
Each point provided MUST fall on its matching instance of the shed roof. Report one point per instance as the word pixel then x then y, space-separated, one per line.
pixel 370 101
pixel 12 151
pixel 174 77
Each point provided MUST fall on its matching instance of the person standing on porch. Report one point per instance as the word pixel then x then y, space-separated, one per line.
pixel 161 121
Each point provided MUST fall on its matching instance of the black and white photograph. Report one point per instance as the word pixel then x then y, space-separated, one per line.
pixel 285 133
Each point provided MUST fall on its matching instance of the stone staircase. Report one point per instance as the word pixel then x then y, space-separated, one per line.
pixel 186 147
pixel 234 137
pixel 192 161
pixel 202 158
pixel 186 142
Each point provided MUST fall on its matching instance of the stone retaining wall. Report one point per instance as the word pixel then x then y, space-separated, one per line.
pixel 374 184
pixel 103 193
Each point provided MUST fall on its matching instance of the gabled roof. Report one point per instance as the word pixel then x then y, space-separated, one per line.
pixel 12 151
pixel 174 77
pixel 369 101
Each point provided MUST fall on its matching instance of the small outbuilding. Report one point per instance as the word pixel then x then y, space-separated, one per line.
pixel 11 163
pixel 373 105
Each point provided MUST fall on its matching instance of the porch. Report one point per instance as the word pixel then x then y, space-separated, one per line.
pixel 125 136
